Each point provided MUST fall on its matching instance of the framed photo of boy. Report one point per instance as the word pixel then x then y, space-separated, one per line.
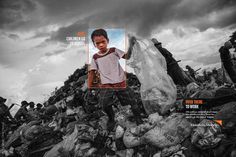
pixel 106 58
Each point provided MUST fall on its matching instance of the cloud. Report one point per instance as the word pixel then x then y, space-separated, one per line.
pixel 12 83
pixel 136 16
pixel 14 36
pixel 44 31
pixel 15 13
pixel 68 31
pixel 56 52
pixel 130 15
pixel 208 59
pixel 51 71
pixel 217 19
pixel 40 34
pixel 36 83
pixel 41 92
pixel 143 17
pixel 194 47
pixel 18 53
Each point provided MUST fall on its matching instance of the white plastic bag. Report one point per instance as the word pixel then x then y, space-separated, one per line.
pixel 158 91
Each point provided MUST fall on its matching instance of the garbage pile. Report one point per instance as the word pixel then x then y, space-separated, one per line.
pixel 73 124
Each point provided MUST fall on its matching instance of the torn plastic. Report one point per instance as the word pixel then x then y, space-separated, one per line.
pixel 158 91
pixel 169 132
pixel 131 139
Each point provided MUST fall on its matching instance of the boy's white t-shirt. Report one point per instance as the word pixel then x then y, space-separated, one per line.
pixel 108 66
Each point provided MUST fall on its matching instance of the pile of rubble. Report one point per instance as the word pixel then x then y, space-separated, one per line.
pixel 74 125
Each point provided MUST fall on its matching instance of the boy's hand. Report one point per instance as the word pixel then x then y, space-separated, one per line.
pixel 132 40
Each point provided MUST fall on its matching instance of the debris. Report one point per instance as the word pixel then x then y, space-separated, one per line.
pixel 72 122
pixel 169 132
pixel 119 132
pixel 207 134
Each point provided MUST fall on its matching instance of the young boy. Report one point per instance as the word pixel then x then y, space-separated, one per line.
pixel 113 80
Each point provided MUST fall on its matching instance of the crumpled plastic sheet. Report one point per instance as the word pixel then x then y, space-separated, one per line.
pixel 158 132
pixel 169 132
pixel 71 142
pixel 130 139
pixel 191 89
pixel 119 132
pixel 158 91
pixel 68 144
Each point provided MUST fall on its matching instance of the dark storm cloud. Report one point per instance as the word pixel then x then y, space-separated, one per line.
pixel 117 16
pixel 137 16
pixel 204 14
pixel 189 8
pixel 13 13
pixel 134 15
pixel 71 8
pixel 208 59
pixel 143 16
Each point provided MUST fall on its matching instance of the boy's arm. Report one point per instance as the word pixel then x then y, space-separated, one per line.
pixel 91 75
pixel 91 72
pixel 132 41
pixel 128 54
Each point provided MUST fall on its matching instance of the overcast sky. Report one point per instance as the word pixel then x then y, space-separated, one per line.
pixel 35 57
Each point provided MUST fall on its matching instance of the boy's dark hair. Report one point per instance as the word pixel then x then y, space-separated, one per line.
pixel 99 32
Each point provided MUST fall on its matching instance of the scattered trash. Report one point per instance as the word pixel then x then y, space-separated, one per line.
pixel 168 132
pixel 72 123
pixel 207 135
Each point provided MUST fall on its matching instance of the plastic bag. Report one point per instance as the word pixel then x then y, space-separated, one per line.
pixel 158 91
pixel 154 118
pixel 169 132
pixel 131 138
pixel 191 89
pixel 119 132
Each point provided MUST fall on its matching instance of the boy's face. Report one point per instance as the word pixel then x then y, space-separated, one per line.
pixel 100 42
